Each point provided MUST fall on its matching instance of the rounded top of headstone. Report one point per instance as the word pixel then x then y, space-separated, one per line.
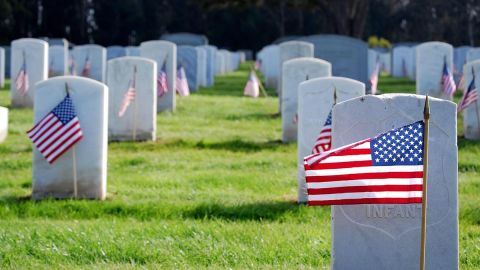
pixel 405 44
pixel 68 79
pixel 312 83
pixel 184 38
pixel 295 43
pixel 332 37
pixel 300 60
pixel 285 39
pixel 56 47
pixel 435 44
pixel 130 58
pixel 152 43
pixel 29 40
pixel 464 47
pixel 116 47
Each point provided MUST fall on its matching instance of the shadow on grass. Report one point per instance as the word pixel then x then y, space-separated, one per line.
pixel 238 145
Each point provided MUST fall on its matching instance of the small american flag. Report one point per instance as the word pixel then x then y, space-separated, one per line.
pixel 448 82
pixel 385 169
pixel 324 140
pixel 72 69
pixel 374 78
pixel 470 96
pixel 21 81
pixel 87 66
pixel 182 83
pixel 129 95
pixel 57 132
pixel 162 84
pixel 252 87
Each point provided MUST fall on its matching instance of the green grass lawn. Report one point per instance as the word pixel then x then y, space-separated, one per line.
pixel 216 190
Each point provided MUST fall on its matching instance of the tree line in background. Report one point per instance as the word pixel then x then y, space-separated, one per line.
pixel 239 24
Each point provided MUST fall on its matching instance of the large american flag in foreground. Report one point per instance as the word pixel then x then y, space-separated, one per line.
pixel 469 97
pixel 21 81
pixel 252 88
pixel 324 140
pixel 384 169
pixel 182 82
pixel 57 132
pixel 162 85
pixel 448 82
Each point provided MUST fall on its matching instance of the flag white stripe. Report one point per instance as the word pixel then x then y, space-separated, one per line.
pixel 66 144
pixel 365 182
pixel 366 195
pixel 335 159
pixel 55 123
pixel 57 137
pixel 40 127
pixel 369 169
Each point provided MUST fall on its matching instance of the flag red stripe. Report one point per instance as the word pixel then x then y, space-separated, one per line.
pixel 65 150
pixel 367 201
pixel 41 139
pixel 46 118
pixel 63 139
pixel 378 188
pixel 359 176
pixel 56 136
pixel 44 129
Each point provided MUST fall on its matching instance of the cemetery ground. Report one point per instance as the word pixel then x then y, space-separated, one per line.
pixel 216 190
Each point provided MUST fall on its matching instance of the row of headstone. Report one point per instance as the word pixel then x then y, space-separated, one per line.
pixel 382 57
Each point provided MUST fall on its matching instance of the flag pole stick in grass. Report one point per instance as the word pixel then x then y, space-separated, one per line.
pixel 423 238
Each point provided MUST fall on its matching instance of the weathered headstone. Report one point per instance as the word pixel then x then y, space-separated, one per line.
pixel 315 100
pixel 139 121
pixel 95 57
pixel 133 51
pixel 403 62
pixel 2 67
pixel 88 159
pixel 294 72
pixel 431 57
pixel 202 66
pixel 3 124
pixel 347 55
pixel 459 60
pixel 290 50
pixel 362 234
pixel 211 64
pixel 187 56
pixel 189 39
pixel 34 53
pixel 471 115
pixel 473 54
pixel 163 52
pixel 116 51
pixel 57 61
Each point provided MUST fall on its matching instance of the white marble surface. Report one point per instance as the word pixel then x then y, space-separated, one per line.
pixel 98 60
pixel 57 61
pixel 361 234
pixel 271 65
pixel 202 66
pixel 56 180
pixel 403 54
pixel 3 124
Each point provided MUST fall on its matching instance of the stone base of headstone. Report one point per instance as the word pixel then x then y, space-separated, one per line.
pixel 143 136
pixel 3 124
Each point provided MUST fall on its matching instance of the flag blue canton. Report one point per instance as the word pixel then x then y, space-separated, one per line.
pixel 402 146
pixel 328 122
pixel 65 111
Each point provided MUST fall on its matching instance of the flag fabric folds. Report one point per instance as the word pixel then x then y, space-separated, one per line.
pixel 87 66
pixel 21 81
pixel 385 169
pixel 57 132
pixel 374 78
pixel 182 82
pixel 470 96
pixel 162 84
pixel 128 97
pixel 252 87
pixel 324 140
pixel 448 82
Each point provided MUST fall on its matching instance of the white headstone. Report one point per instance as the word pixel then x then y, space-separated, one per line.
pixel 403 62
pixel 187 56
pixel 290 50
pixel 473 54
pixel 35 52
pixel 2 67
pixel 90 99
pixel 471 115
pixel 97 57
pixel 139 121
pixel 163 52
pixel 133 51
pixel 116 51
pixel 271 63
pixel 460 59
pixel 3 124
pixel 202 66
pixel 220 63
pixel 315 100
pixel 211 62
pixel 294 72
pixel 430 60
pixel 387 236
pixel 58 61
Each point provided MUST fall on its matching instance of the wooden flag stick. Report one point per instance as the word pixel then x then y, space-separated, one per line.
pixel 75 185
pixel 423 237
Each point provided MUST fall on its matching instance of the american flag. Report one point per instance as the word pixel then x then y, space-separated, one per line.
pixel 87 66
pixel 374 78
pixel 182 83
pixel 162 85
pixel 385 169
pixel 129 95
pixel 324 140
pixel 448 82
pixel 72 69
pixel 470 96
pixel 21 81
pixel 252 86
pixel 57 132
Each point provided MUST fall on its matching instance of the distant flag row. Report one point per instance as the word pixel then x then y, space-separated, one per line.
pixel 448 83
pixel 470 96
pixel 129 95
pixel 21 80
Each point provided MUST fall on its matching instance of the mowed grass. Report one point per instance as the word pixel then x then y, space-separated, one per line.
pixel 216 190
